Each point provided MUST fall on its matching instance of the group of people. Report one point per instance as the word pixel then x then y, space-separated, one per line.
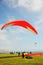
pixel 22 54
pixel 29 57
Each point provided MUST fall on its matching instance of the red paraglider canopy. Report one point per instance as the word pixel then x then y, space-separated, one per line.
pixel 21 23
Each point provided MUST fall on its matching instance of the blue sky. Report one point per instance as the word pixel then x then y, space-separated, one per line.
pixel 17 38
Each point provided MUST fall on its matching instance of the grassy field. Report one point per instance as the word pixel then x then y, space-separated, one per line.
pixel 37 60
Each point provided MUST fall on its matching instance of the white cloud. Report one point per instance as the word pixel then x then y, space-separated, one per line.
pixel 39 23
pixel 3 37
pixel 21 30
pixel 8 38
pixel 34 5
pixel 10 18
pixel 11 3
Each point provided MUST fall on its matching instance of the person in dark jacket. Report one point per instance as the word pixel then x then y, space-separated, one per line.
pixel 22 55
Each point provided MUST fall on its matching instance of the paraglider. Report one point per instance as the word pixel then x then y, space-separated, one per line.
pixel 21 23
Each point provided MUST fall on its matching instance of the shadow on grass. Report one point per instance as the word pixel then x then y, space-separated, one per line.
pixel 8 57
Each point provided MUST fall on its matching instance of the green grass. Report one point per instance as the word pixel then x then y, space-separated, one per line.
pixel 38 60
pixel 3 55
